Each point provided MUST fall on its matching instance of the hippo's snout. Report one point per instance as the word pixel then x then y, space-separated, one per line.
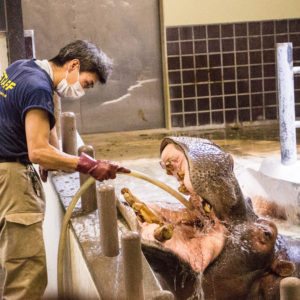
pixel 209 173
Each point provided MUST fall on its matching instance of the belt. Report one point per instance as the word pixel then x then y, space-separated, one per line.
pixel 20 160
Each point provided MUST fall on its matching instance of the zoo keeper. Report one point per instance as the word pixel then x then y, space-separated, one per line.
pixel 27 136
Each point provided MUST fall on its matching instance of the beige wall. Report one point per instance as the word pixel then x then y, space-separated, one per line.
pixel 188 12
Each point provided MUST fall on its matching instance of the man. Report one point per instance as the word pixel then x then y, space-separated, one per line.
pixel 28 135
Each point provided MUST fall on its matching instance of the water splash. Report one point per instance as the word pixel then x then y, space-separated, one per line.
pixel 184 273
pixel 237 237
pixel 175 279
pixel 198 290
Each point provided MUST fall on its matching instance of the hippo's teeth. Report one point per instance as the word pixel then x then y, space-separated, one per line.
pixel 206 206
pixel 169 167
pixel 164 232
pixel 180 175
pixel 182 189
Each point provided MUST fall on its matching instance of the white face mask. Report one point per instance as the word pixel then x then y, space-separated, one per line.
pixel 75 90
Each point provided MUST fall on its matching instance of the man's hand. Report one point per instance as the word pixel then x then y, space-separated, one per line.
pixel 43 173
pixel 99 169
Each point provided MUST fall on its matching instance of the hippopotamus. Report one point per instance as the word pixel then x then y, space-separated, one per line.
pixel 219 247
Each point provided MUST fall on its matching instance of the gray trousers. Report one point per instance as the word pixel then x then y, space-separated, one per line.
pixel 22 252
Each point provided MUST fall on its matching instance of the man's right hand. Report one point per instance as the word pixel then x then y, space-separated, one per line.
pixel 43 174
pixel 99 169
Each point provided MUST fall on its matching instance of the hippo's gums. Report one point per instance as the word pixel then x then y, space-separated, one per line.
pixel 240 255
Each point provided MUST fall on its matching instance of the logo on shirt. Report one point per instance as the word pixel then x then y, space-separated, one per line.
pixel 6 84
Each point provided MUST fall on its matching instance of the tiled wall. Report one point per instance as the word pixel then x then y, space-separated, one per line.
pixel 225 73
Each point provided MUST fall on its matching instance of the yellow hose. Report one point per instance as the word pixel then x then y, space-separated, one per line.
pixel 162 185
pixel 68 215
pixel 62 239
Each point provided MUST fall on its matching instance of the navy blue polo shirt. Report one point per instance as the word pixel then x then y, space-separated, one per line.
pixel 23 86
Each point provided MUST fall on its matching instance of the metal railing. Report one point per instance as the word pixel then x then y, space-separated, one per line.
pixel 286 99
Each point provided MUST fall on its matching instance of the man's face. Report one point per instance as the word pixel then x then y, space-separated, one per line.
pixel 88 79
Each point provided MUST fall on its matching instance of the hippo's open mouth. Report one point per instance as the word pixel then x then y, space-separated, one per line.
pixel 204 172
pixel 196 236
pixel 221 226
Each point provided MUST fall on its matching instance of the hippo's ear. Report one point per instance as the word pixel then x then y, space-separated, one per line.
pixel 283 268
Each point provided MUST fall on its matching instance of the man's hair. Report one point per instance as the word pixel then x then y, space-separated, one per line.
pixel 91 58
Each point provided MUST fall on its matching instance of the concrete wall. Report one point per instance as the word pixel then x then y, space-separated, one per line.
pixel 128 31
pixel 52 226
pixel 78 281
pixel 188 12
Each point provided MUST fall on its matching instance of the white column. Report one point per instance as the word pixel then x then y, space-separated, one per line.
pixel 286 99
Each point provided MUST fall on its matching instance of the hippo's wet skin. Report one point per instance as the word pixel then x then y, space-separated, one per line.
pixel 240 255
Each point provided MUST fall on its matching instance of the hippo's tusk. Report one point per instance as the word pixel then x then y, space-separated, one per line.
pixel 163 186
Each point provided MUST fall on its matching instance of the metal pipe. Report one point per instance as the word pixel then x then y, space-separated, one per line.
pixel 296 70
pixel 133 267
pixel 89 198
pixel 69 133
pixel 290 288
pixel 107 209
pixel 285 80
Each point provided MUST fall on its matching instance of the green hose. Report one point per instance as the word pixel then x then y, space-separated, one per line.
pixel 68 215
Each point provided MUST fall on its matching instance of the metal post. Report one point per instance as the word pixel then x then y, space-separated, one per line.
pixel 296 70
pixel 290 288
pixel 108 220
pixel 69 133
pixel 89 198
pixel 15 30
pixel 285 80
pixel 133 268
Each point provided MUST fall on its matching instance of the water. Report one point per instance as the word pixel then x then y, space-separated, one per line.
pixel 199 293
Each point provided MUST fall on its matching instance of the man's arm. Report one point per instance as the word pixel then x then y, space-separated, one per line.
pixel 53 140
pixel 38 142
pixel 41 152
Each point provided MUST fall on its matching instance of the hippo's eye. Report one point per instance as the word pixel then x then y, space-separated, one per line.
pixel 268 234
